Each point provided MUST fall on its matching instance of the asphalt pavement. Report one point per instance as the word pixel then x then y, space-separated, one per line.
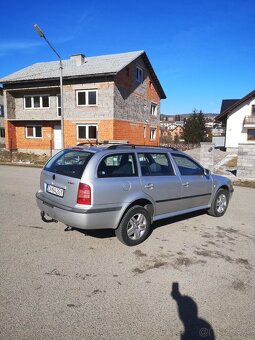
pixel 193 275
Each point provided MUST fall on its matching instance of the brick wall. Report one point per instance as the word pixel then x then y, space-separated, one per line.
pixel 134 133
pixel 16 136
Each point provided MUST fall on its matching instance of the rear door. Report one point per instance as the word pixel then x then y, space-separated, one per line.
pixel 61 176
pixel 117 179
pixel 196 187
pixel 159 181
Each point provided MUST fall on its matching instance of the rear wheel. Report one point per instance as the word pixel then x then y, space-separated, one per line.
pixel 220 203
pixel 134 226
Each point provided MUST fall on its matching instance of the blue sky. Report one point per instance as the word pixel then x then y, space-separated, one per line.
pixel 203 51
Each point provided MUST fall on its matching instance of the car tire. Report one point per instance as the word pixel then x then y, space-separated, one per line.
pixel 134 226
pixel 219 204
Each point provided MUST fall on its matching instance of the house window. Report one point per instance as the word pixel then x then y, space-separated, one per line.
pixel 251 134
pixel 139 74
pixel 86 97
pixel 59 105
pixel 37 102
pixel 253 110
pixel 154 109
pixel 86 131
pixel 33 131
pixel 2 132
pixel 152 133
pixel 1 110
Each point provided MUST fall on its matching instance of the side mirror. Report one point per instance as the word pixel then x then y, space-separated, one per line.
pixel 207 172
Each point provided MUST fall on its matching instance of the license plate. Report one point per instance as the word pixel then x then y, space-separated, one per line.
pixel 51 189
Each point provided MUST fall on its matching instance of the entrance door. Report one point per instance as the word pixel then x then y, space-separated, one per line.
pixel 57 137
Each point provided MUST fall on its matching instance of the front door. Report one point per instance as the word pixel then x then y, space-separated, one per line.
pixel 160 182
pixel 57 137
pixel 196 186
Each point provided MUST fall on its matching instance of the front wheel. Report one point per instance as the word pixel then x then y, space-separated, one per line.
pixel 134 226
pixel 220 203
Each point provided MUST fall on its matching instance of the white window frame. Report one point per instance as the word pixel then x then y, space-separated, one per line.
pixel 87 131
pixel 139 74
pixel 153 133
pixel 32 102
pixel 34 129
pixel 87 97
pixel 59 105
pixel 154 109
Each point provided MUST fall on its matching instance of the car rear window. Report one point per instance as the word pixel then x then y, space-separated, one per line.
pixel 69 163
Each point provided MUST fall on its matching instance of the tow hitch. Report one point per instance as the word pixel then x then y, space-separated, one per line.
pixel 47 220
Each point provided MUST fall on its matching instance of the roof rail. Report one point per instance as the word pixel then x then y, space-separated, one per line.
pixel 133 146
pixel 115 146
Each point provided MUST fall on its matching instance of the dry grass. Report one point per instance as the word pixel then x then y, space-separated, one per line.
pixel 245 183
pixel 232 163
pixel 22 157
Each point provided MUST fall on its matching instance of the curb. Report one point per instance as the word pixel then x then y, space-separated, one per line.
pixel 24 165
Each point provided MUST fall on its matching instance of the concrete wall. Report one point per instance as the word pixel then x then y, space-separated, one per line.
pixel 246 161
pixel 132 100
pixel 235 131
pixel 104 109
pixel 207 155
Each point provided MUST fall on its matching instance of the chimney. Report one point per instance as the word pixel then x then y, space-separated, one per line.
pixel 79 58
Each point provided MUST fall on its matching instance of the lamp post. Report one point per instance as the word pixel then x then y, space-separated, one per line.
pixel 42 35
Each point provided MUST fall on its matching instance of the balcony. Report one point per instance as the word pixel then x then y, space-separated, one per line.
pixel 249 121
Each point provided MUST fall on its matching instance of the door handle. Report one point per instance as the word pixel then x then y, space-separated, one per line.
pixel 185 184
pixel 149 186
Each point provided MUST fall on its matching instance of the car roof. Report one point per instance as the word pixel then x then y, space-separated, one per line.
pixel 126 147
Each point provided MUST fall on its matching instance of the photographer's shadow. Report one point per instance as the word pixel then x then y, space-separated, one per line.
pixel 195 328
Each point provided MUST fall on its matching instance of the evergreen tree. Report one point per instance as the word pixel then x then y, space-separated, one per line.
pixel 194 130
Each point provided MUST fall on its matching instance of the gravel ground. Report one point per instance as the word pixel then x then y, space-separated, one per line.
pixel 73 285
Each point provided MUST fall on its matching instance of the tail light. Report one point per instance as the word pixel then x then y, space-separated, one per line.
pixel 84 194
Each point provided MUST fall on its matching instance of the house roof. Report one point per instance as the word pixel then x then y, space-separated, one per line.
pixel 228 105
pixel 92 66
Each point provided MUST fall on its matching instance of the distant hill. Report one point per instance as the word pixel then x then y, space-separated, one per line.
pixel 173 117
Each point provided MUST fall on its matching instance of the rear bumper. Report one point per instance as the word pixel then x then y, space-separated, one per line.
pixel 106 217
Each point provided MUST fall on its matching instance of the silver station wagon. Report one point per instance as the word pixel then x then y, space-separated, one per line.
pixel 127 188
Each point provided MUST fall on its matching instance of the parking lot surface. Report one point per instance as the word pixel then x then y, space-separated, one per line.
pixel 193 275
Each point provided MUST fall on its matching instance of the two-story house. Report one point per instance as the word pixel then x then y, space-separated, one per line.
pixel 238 117
pixel 110 97
pixel 2 130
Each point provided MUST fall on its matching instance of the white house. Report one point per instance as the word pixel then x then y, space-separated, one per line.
pixel 238 116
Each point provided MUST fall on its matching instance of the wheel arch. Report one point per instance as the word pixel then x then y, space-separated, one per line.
pixel 143 202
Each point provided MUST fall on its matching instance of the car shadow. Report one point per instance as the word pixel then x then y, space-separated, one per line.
pixel 175 219
pixel 109 233
pixel 195 328
pixel 97 233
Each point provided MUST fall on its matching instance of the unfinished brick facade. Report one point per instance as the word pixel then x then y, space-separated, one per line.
pixel 126 109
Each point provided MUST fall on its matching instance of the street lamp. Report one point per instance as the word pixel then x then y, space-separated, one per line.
pixel 42 35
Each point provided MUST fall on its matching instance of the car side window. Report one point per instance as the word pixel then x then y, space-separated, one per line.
pixel 155 164
pixel 187 166
pixel 117 165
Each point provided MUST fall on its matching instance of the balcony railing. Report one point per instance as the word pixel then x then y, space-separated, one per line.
pixel 249 120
